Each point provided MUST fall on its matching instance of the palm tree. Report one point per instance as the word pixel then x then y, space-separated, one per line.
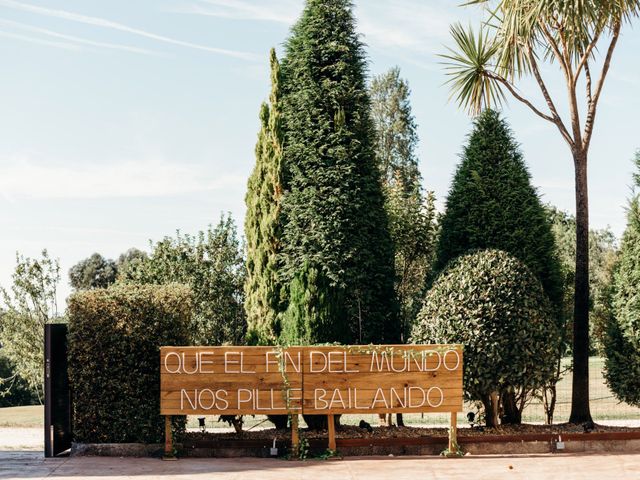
pixel 518 37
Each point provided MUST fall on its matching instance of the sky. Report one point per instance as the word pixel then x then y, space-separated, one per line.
pixel 123 121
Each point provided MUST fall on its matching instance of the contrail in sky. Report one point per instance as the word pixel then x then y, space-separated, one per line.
pixel 101 22
pixel 73 38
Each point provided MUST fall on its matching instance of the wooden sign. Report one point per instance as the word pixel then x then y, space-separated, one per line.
pixel 310 380
pixel 382 379
pixel 230 380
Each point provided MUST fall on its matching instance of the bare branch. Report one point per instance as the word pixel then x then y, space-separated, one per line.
pixel 545 92
pixel 555 120
pixel 585 57
pixel 593 105
pixel 587 74
pixel 515 93
pixel 565 52
pixel 556 50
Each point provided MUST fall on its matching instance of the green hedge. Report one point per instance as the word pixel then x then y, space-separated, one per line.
pixel 114 358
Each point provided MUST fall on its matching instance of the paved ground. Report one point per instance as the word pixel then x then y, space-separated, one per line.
pixel 21 457
pixel 31 465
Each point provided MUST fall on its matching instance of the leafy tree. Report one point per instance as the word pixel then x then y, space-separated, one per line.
pixel 131 256
pixel 495 306
pixel 263 223
pixel 603 253
pixel 15 391
pixel 93 272
pixel 412 217
pixel 622 342
pixel 395 127
pixel 336 226
pixel 492 204
pixel 28 306
pixel 211 264
pixel 518 36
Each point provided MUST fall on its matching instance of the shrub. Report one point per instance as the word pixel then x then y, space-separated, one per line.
pixel 115 336
pixel 491 303
pixel 622 342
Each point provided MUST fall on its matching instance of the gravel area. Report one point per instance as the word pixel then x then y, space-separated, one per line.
pixel 26 439
pixel 350 431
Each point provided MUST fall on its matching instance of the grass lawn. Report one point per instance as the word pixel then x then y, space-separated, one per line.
pixel 31 416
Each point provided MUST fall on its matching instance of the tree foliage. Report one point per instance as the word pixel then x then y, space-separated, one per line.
pixel 335 223
pixel 395 138
pixel 93 272
pixel 622 345
pixel 29 304
pixel 211 264
pixel 15 391
pixel 492 204
pixel 412 216
pixel 494 305
pixel 130 257
pixel 603 253
pixel 263 223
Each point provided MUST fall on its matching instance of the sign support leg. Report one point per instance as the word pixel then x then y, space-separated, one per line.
pixel 453 442
pixel 331 425
pixel 168 439
pixel 295 439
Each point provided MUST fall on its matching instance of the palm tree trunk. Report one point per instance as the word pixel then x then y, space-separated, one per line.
pixel 580 389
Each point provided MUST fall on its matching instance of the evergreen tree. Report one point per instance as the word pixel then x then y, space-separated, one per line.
pixel 396 137
pixel 337 247
pixel 622 342
pixel 93 272
pixel 263 222
pixel 412 216
pixel 492 204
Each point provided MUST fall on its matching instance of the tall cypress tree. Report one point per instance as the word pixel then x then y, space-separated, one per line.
pixel 492 204
pixel 263 222
pixel 337 252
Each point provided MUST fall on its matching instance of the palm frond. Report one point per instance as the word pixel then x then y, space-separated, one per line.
pixel 473 84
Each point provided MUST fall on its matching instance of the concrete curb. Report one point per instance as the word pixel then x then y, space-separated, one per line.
pixel 116 450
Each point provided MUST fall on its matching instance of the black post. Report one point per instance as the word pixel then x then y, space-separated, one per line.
pixel 57 395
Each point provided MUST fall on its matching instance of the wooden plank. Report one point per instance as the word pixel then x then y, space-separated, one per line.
pixel 453 442
pixel 331 429
pixel 295 439
pixel 168 439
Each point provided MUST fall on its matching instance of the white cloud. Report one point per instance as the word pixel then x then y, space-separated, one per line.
pixel 73 39
pixel 23 178
pixel 104 23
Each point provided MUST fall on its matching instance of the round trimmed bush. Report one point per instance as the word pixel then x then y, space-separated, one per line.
pixel 492 304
